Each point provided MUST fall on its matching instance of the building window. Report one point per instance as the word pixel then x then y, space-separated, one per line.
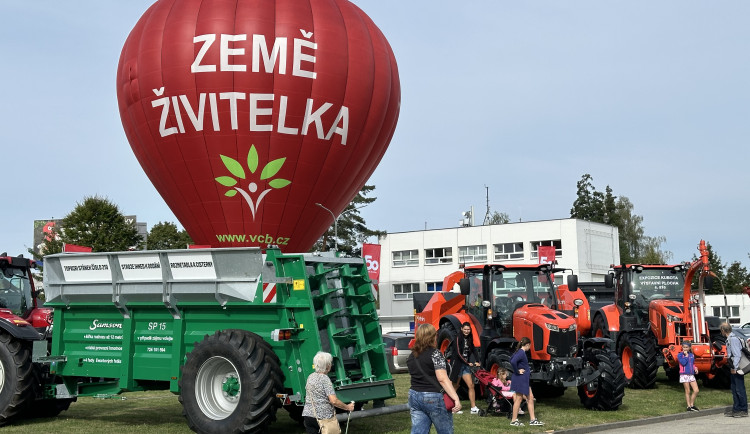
pixel 535 247
pixel 406 258
pixel 403 291
pixel 472 254
pixel 733 314
pixel 508 251
pixel 442 255
pixel 434 286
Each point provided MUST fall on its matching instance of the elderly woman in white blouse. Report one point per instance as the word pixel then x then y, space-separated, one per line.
pixel 321 398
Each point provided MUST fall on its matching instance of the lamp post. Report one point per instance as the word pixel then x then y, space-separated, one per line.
pixel 335 227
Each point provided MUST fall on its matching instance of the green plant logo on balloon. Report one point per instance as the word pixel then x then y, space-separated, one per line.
pixel 236 169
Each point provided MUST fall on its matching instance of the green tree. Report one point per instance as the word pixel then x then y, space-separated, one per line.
pixel 736 278
pixel 635 246
pixel 352 230
pixel 498 218
pixel 164 235
pixel 98 223
pixel 589 203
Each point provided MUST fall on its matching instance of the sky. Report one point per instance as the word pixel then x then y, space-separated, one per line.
pixel 512 99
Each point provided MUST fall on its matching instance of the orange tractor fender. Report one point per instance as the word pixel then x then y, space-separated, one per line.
pixel 611 314
pixel 459 318
pixel 567 303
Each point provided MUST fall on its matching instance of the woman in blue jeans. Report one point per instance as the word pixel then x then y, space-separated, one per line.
pixel 428 379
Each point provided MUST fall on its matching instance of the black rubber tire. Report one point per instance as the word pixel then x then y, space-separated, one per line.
pixel 43 408
pixel 673 374
pixel 446 344
pixel 499 357
pixel 246 359
pixel 49 407
pixel 546 391
pixel 718 378
pixel 637 352
pixel 445 341
pixel 606 391
pixel 295 412
pixel 16 390
pixel 599 327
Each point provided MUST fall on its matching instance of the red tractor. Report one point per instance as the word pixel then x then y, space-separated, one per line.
pixel 23 322
pixel 655 310
pixel 504 303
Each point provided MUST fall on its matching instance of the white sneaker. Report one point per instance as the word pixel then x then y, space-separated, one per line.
pixel 474 410
pixel 521 411
pixel 460 412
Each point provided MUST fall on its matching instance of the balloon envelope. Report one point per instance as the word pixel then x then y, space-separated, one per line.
pixel 245 114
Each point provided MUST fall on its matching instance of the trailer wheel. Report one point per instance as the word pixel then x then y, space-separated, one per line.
pixel 606 391
pixel 446 336
pixel 638 356
pixel 295 413
pixel 15 377
pixel 229 384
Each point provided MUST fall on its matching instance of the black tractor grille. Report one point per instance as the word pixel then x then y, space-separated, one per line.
pixel 563 341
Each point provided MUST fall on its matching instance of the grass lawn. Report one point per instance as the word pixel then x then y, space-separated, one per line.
pixel 160 412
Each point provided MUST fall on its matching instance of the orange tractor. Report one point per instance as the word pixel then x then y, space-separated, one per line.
pixel 504 303
pixel 655 310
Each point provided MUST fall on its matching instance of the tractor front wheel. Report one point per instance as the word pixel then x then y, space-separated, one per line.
pixel 606 391
pixel 638 356
pixel 599 327
pixel 229 384
pixel 718 378
pixel 499 358
pixel 673 374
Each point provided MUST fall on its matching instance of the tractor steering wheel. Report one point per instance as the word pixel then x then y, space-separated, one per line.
pixel 504 304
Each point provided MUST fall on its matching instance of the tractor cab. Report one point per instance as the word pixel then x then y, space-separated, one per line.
pixel 15 289
pixel 637 286
pixel 495 292
pixel 18 305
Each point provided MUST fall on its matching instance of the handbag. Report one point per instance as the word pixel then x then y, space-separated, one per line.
pixel 449 403
pixel 327 426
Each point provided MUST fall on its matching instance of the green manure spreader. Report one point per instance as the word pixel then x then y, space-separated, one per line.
pixel 232 331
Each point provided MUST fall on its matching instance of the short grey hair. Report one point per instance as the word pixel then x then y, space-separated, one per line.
pixel 322 362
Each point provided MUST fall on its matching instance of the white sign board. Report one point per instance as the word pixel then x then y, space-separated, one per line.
pixel 192 265
pixel 140 267
pixel 85 269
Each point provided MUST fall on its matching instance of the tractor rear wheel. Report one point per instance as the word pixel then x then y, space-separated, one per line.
pixel 638 357
pixel 606 391
pixel 229 384
pixel 16 377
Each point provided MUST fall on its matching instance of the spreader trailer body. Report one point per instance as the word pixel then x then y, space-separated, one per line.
pixel 232 331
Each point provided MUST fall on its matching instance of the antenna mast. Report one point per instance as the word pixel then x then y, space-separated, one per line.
pixel 487 215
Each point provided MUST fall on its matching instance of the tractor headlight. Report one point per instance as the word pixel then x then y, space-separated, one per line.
pixel 572 327
pixel 672 318
pixel 552 327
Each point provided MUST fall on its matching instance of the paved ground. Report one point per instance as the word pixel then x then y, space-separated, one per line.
pixel 702 422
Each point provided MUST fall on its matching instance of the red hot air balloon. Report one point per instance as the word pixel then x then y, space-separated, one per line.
pixel 246 113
